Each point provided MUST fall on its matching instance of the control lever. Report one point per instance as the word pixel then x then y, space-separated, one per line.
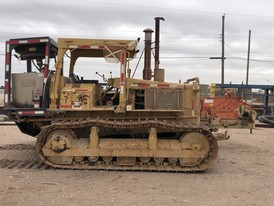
pixel 102 76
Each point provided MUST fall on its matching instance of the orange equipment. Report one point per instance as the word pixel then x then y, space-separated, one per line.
pixel 226 111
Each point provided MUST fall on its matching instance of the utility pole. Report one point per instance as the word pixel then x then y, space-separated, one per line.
pixel 223 49
pixel 248 57
pixel 223 53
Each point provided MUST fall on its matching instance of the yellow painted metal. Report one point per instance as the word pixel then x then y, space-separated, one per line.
pixel 193 145
pixel 212 89
pixel 169 106
pixel 123 92
pixel 79 97
pixel 85 48
pixel 123 152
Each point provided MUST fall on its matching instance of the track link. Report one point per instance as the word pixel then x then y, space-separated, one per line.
pixel 18 147
pixel 139 166
pixel 20 164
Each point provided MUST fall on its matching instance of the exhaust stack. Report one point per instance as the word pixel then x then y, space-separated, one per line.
pixel 147 72
pixel 159 74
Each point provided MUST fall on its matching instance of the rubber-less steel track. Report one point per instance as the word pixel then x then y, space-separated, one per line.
pixel 17 147
pixel 140 166
pixel 20 164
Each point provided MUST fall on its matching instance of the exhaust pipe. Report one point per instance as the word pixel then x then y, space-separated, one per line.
pixel 159 74
pixel 147 72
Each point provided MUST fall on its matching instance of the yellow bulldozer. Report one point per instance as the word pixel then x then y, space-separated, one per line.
pixel 124 123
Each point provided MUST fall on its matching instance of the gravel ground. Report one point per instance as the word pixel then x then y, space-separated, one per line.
pixel 242 175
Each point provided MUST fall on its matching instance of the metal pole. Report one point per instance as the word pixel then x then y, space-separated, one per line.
pixel 29 69
pixel 223 48
pixel 266 95
pixel 157 40
pixel 147 72
pixel 248 56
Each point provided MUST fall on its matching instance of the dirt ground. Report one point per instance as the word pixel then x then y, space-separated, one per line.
pixel 242 175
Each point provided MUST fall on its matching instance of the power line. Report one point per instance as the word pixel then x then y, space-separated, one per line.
pixel 243 58
pixel 192 35
pixel 148 7
pixel 206 57
pixel 184 57
pixel 176 9
pixel 250 65
pixel 198 37
pixel 61 27
pixel 254 60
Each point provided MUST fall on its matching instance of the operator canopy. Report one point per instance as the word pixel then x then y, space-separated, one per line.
pixel 106 48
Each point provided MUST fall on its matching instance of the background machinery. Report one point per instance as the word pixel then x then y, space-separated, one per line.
pixel 227 111
pixel 125 124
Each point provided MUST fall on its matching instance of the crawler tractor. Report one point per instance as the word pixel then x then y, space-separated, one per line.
pixel 123 124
